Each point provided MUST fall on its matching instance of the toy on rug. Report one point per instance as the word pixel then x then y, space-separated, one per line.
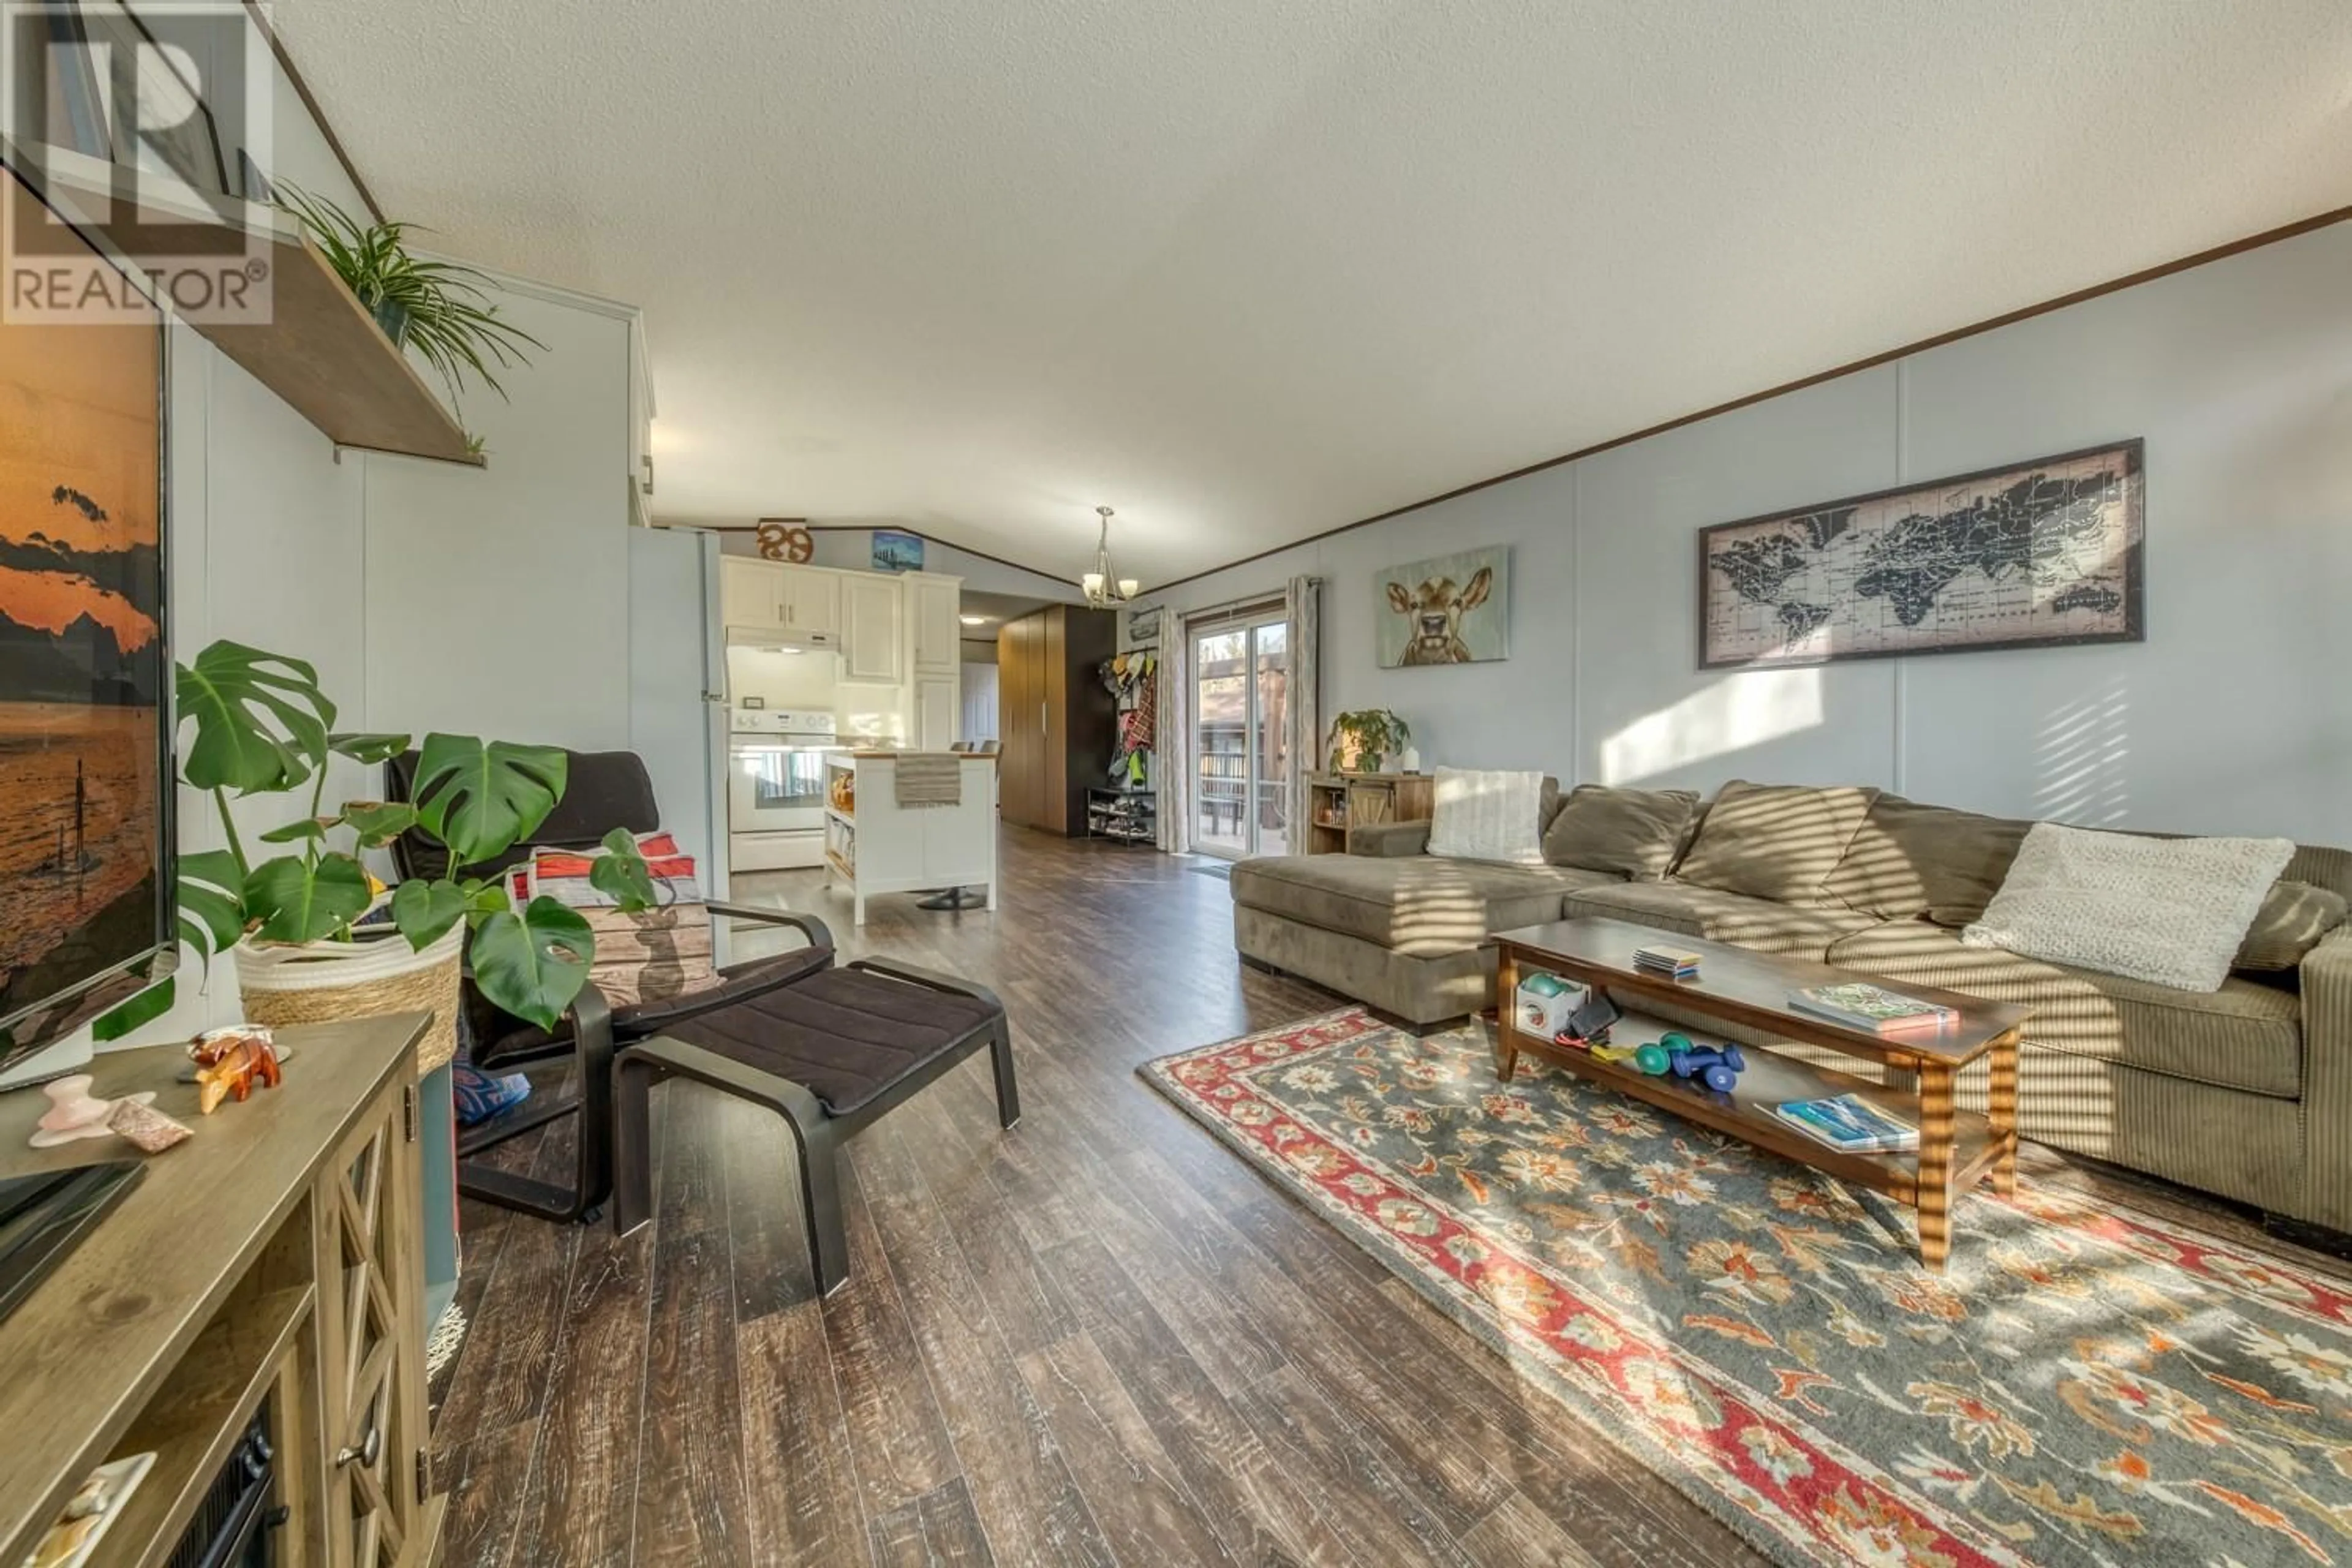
pixel 1545 1003
pixel 229 1061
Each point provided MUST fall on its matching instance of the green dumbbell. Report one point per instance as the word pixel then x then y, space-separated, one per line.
pixel 1653 1058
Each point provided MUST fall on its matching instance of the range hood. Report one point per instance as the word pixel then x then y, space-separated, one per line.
pixel 783 640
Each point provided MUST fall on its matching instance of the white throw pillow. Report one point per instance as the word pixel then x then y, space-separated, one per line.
pixel 2169 911
pixel 1489 815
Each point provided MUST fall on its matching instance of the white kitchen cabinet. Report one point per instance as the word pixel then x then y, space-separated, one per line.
pixel 750 591
pixel 809 598
pixel 939 712
pixel 871 631
pixel 932 605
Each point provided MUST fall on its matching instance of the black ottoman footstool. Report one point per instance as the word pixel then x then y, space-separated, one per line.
pixel 829 1054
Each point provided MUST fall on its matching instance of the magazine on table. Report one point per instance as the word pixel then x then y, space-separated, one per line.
pixel 1872 1007
pixel 1850 1123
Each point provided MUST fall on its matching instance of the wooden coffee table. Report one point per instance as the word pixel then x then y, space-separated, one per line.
pixel 1734 986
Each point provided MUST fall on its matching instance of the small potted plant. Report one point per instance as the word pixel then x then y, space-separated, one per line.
pixel 440 309
pixel 1362 738
pixel 293 919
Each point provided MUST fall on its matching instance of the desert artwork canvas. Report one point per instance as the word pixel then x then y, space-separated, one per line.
pixel 82 661
pixel 1453 609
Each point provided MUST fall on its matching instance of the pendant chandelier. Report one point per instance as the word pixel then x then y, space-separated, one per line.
pixel 1104 587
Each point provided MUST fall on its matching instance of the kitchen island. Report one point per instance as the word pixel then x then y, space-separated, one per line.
pixel 875 845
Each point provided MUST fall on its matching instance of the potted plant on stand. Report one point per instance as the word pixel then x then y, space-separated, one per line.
pixel 1362 738
pixel 294 919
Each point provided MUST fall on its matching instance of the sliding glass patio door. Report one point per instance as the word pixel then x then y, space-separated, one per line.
pixel 1241 757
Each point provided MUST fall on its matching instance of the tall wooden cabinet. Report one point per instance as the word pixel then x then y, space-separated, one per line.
pixel 1057 719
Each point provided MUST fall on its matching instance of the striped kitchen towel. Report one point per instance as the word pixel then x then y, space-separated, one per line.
pixel 930 778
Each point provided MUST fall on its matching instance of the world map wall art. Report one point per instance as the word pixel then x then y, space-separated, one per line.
pixel 2032 555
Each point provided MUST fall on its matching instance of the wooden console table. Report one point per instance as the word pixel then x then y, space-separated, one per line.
pixel 274 1257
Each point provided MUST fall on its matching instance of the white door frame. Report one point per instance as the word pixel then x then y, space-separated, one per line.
pixel 1247 623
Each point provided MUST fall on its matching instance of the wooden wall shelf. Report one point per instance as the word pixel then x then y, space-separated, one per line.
pixel 319 350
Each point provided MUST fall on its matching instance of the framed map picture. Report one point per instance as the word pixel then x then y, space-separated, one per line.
pixel 2035 554
pixel 1455 609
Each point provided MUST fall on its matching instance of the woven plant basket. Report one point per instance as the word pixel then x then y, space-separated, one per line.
pixel 319 982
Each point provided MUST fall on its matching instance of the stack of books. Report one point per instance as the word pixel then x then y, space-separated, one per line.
pixel 1873 1008
pixel 1675 962
pixel 1849 1123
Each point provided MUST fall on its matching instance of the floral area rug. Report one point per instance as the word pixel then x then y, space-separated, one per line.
pixel 2084 1386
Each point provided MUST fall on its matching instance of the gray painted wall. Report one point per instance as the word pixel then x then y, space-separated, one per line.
pixel 2235 716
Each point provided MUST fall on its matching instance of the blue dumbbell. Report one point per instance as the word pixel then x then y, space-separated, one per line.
pixel 1719 1070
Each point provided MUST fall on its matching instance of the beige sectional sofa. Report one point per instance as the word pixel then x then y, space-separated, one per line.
pixel 2245 1092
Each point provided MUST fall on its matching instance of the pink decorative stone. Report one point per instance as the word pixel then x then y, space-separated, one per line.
pixel 75 1113
pixel 145 1127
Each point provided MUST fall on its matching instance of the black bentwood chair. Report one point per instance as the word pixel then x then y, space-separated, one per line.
pixel 829 1049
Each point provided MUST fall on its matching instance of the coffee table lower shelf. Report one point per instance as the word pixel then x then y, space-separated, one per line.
pixel 1745 1112
pixel 1739 988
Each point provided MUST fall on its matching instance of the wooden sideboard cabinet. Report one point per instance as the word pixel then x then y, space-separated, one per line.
pixel 1342 805
pixel 272 1262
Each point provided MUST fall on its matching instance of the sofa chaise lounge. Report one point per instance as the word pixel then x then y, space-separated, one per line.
pixel 2245 1092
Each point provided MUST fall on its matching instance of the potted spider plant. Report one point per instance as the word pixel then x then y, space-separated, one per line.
pixel 293 920
pixel 440 309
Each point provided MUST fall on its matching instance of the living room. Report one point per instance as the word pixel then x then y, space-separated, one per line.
pixel 1474 785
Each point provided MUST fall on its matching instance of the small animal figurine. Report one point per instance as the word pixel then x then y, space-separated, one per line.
pixel 228 1063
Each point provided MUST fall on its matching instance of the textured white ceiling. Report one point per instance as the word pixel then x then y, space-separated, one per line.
pixel 1246 270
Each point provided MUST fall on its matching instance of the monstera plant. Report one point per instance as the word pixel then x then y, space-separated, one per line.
pixel 262 726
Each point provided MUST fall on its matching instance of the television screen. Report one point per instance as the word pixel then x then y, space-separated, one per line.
pixel 85 774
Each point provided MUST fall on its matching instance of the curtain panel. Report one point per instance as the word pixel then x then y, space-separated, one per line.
pixel 1173 759
pixel 1302 604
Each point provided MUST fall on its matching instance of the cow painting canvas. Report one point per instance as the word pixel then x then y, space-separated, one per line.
pixel 1455 609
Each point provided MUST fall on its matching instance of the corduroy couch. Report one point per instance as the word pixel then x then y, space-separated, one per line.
pixel 2245 1092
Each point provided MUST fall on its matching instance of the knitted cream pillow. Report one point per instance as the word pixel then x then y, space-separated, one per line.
pixel 1489 816
pixel 2169 911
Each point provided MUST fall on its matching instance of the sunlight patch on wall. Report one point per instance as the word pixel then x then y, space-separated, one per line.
pixel 2080 756
pixel 1737 712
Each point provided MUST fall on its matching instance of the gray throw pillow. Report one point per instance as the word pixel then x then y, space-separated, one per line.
pixel 1775 841
pixel 2294 917
pixel 1910 859
pixel 1634 832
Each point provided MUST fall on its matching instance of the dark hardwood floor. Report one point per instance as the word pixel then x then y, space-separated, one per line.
pixel 1097 1338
